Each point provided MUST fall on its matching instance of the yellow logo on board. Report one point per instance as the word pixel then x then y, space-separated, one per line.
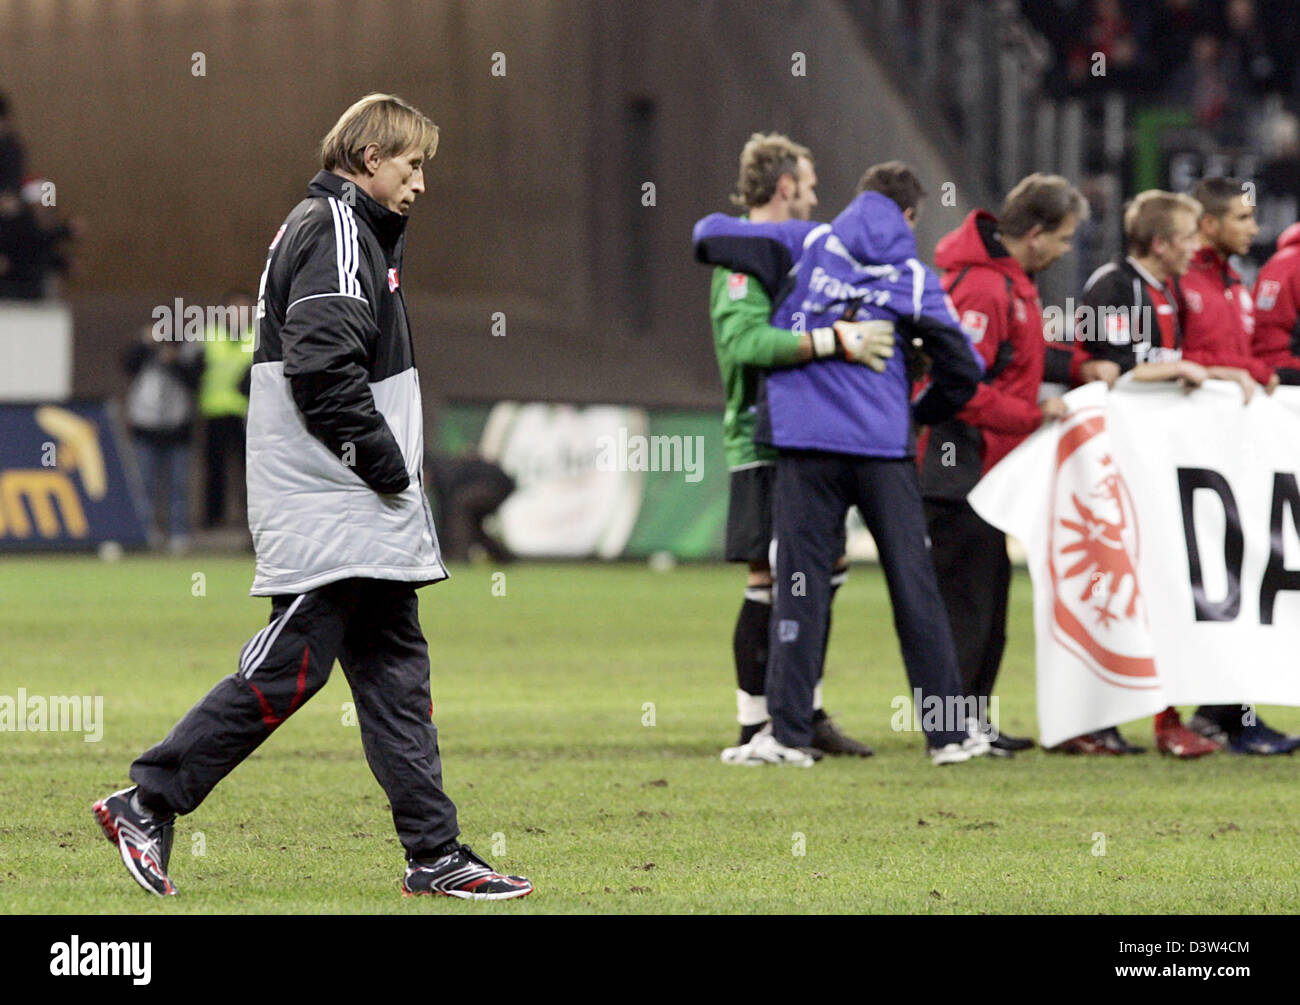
pixel 75 449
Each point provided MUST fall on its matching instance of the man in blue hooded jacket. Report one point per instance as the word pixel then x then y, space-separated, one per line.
pixel 844 437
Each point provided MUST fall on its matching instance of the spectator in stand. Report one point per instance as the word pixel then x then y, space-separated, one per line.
pixel 12 247
pixel 160 414
pixel 223 401
pixel 11 151
pixel 31 239
pixel 1060 22
pixel 1277 309
pixel 1167 36
pixel 1214 88
pixel 1257 58
pixel 1107 33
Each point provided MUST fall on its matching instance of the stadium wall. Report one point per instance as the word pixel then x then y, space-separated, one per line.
pixel 535 203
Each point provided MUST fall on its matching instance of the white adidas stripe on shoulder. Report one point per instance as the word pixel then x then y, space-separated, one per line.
pixel 346 252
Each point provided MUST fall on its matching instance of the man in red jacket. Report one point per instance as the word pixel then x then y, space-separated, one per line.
pixel 1276 342
pixel 1218 311
pixel 988 263
pixel 1218 327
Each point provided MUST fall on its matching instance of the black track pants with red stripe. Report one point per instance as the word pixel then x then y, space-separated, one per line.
pixel 372 628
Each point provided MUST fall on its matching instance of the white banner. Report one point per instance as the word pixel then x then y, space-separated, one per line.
pixel 1162 530
pixel 564 504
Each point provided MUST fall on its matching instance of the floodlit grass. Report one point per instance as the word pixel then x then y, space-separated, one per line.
pixel 542 697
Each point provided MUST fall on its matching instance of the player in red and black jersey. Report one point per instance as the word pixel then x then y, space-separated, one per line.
pixel 1128 317
pixel 1128 323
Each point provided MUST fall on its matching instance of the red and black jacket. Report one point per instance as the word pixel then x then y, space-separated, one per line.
pixel 1127 316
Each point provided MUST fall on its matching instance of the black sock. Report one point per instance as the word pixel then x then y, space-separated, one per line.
pixel 1228 718
pixel 429 857
pixel 749 644
pixel 152 803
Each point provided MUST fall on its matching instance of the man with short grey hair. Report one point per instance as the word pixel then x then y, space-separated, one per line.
pixel 988 267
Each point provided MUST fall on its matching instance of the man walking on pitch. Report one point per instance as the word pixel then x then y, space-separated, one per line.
pixel 340 521
pixel 776 184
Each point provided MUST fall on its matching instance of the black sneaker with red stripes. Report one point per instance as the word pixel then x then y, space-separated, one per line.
pixel 462 874
pixel 144 840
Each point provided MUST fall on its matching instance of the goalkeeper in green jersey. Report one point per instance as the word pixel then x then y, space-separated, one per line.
pixel 776 183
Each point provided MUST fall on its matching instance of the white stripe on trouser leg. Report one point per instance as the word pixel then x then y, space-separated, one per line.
pixel 255 661
pixel 751 709
pixel 254 646
pixel 250 646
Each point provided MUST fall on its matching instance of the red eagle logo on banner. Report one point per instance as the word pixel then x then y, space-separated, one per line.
pixel 1098 611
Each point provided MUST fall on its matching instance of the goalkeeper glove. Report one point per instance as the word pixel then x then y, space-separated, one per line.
pixel 868 342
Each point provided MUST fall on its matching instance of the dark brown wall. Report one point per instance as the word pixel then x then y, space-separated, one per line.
pixel 533 205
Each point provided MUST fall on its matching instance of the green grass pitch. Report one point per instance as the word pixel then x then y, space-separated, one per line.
pixel 581 716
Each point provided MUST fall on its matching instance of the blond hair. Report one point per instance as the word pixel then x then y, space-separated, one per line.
pixel 384 119
pixel 765 158
pixel 1151 215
